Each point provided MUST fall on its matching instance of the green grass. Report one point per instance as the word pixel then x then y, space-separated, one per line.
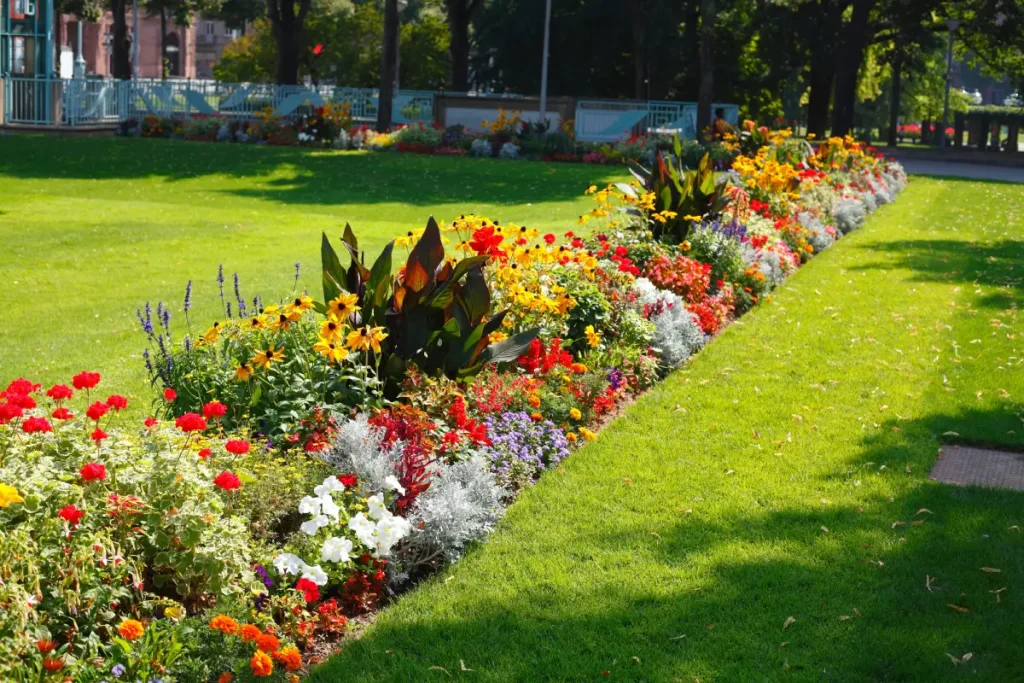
pixel 784 473
pixel 93 228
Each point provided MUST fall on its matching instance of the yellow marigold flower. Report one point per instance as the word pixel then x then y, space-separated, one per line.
pixel 224 624
pixel 575 414
pixel 593 337
pixel 587 434
pixel 265 359
pixel 495 337
pixel 571 436
pixel 333 352
pixel 343 306
pixel 225 677
pixel 300 304
pixel 8 495
pixel 579 368
pixel 131 629
pixel 366 338
pixel 261 664
pixel 212 334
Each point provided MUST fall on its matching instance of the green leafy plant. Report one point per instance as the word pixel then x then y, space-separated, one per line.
pixel 436 311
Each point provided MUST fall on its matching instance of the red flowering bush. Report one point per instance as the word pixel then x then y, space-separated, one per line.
pixel 686 277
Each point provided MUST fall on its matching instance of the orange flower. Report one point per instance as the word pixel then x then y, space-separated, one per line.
pixel 250 632
pixel 53 664
pixel 267 642
pixel 535 400
pixel 130 629
pixel 46 646
pixel 224 624
pixel 536 417
pixel 289 657
pixel 261 664
pixel 225 678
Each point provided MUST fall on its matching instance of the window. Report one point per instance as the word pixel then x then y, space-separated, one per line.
pixel 210 28
pixel 228 30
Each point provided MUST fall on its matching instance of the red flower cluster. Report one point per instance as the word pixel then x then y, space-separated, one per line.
pixel 402 422
pixel 71 514
pixel 310 591
pixel 97 410
pixel 85 380
pixel 190 422
pixel 537 359
pixel 475 431
pixel 687 277
pixel 228 481
pixel 93 471
pixel 363 590
pixel 59 392
pixel 214 410
pixel 63 413
pixel 237 447
pixel 117 402
pixel 486 240
pixel 36 425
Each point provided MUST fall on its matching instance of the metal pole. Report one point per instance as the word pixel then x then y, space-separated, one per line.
pixel 544 64
pixel 135 40
pixel 79 59
pixel 952 24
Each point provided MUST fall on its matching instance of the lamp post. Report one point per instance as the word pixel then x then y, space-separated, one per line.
pixel 80 66
pixel 952 24
pixel 544 64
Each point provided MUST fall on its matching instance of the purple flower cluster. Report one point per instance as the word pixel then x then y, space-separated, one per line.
pixel 517 440
pixel 733 229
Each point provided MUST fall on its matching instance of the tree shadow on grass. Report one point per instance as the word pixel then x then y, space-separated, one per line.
pixel 993 264
pixel 858 594
pixel 302 176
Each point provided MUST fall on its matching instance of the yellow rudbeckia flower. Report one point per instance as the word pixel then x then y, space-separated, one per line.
pixel 333 352
pixel 265 359
pixel 343 306
pixel 366 338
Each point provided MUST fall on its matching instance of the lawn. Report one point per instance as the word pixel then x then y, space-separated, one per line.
pixel 766 513
pixel 93 228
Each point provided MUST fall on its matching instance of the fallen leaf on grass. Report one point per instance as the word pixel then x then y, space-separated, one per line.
pixel 958 608
pixel 462 664
pixel 788 623
pixel 991 570
pixel 898 523
pixel 966 658
pixel 678 637
pixel 950 434
pixel 784 643
pixel 856 612
pixel 923 510
pixel 996 593
pixel 441 668
pixel 636 660
pixel 928 583
pixel 825 529
pixel 843 617
pixel 711 626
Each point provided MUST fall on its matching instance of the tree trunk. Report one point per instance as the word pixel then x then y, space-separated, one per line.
pixel 458 47
pixel 163 43
pixel 287 29
pixel 387 65
pixel 706 89
pixel 639 21
pixel 851 54
pixel 121 48
pixel 821 76
pixel 894 103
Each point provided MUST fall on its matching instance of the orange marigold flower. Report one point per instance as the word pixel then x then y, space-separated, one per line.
pixel 289 657
pixel 536 417
pixel 250 632
pixel 225 677
pixel 261 664
pixel 224 624
pixel 131 629
pixel 267 642
pixel 535 400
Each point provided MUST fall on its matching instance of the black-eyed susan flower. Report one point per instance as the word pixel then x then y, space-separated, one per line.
pixel 330 350
pixel 265 359
pixel 366 338
pixel 243 372
pixel 343 306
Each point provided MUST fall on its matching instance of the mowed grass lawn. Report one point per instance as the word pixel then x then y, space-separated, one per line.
pixel 91 229
pixel 766 513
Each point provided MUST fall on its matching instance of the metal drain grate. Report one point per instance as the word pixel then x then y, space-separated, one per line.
pixel 964 465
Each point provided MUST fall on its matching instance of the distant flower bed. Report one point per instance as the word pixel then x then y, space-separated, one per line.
pixel 311 456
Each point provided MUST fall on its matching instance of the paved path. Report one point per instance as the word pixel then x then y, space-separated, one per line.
pixel 963 170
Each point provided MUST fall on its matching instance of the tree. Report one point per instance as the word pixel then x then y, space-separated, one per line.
pixel 387 65
pixel 706 91
pixel 992 31
pixel 287 18
pixel 460 14
pixel 850 57
pixel 182 13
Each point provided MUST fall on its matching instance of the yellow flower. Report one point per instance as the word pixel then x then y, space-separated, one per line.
pixel 696 219
pixel 265 359
pixel 685 246
pixel 495 337
pixel 591 190
pixel 243 372
pixel 587 434
pixel 366 338
pixel 255 323
pixel 575 414
pixel 174 612
pixel 535 400
pixel 593 337
pixel 212 334
pixel 300 304
pixel 343 306
pixel 332 351
pixel 571 436
pixel 331 329
pixel 8 495
pixel 409 238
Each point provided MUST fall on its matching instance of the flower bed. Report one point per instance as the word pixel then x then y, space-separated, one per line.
pixel 310 457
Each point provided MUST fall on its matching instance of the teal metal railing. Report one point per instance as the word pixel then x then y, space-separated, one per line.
pixel 614 120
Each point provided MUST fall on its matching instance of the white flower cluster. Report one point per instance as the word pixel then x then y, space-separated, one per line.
pixel 677 336
pixel 480 148
pixel 287 563
pixel 382 530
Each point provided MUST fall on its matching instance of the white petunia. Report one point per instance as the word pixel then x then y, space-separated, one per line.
pixel 364 529
pixel 329 507
pixel 391 482
pixel 336 550
pixel 309 505
pixel 331 484
pixel 286 563
pixel 315 524
pixel 390 531
pixel 376 507
pixel 316 575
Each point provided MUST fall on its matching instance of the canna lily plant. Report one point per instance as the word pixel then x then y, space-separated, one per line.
pixel 437 311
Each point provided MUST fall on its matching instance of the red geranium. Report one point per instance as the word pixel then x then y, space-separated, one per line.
pixel 10 411
pixel 36 424
pixel 170 394
pixel 349 480
pixel 85 380
pixel 205 453
pixel 190 422
pixel 62 414
pixel 71 514
pixel 214 410
pixel 97 410
pixel 117 402
pixel 237 446
pixel 318 49
pixel 59 392
pixel 228 481
pixel 486 241
pixel 93 471
pixel 22 401
pixel 310 591
pixel 20 387
pixel 550 238
pixel 150 422
pixel 98 435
